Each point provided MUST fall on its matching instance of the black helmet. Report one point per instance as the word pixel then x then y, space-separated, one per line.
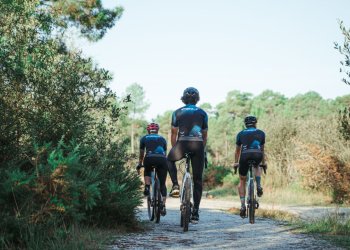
pixel 190 96
pixel 250 120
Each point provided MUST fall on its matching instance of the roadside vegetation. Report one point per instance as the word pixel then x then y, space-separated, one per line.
pixel 63 154
pixel 334 228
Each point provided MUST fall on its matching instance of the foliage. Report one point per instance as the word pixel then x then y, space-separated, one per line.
pixel 214 176
pixel 303 146
pixel 345 51
pixel 344 123
pixel 62 152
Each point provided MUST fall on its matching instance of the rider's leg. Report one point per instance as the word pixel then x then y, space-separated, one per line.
pixel 197 161
pixel 259 189
pixel 175 154
pixel 243 170
pixel 173 172
pixel 147 178
pixel 257 172
pixel 162 171
pixel 242 189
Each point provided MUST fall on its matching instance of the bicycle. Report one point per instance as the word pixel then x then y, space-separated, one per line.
pixel 154 198
pixel 252 201
pixel 186 195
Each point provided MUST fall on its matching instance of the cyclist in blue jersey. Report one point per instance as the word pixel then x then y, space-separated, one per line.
pixel 189 135
pixel 249 146
pixel 153 154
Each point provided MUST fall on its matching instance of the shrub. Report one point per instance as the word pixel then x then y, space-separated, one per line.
pixel 214 176
pixel 322 170
pixel 231 180
pixel 63 188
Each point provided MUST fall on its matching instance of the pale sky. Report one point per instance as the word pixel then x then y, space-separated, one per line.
pixel 223 45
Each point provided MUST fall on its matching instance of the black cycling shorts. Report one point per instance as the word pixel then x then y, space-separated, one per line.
pixel 161 165
pixel 246 156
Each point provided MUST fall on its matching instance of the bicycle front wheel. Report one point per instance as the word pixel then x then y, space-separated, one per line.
pixel 251 203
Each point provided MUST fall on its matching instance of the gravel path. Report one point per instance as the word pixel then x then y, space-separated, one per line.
pixel 215 230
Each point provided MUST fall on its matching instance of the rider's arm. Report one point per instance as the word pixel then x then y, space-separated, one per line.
pixel 262 148
pixel 174 131
pixel 237 153
pixel 205 136
pixel 205 129
pixel 142 155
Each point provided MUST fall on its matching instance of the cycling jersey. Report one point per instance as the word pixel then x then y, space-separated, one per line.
pixel 191 121
pixel 154 144
pixel 250 138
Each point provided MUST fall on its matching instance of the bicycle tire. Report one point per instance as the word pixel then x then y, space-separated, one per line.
pixel 187 204
pixel 157 200
pixel 149 208
pixel 251 210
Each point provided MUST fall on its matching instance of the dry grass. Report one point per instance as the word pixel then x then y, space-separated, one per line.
pixel 270 214
pixel 295 195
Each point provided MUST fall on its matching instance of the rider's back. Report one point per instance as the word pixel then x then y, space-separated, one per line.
pixel 190 120
pixel 154 144
pixel 251 139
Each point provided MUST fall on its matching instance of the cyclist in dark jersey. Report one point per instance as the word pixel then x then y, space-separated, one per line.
pixel 249 146
pixel 189 135
pixel 155 146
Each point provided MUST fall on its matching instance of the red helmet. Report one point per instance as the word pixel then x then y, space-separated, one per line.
pixel 152 127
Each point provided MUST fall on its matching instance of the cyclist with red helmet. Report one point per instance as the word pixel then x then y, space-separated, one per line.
pixel 153 154
pixel 250 144
pixel 189 135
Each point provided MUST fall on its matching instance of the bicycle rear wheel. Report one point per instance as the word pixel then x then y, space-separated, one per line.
pixel 251 203
pixel 157 200
pixel 186 204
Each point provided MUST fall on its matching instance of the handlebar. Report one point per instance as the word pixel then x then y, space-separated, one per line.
pixel 263 166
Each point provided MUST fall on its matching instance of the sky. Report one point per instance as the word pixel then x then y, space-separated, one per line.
pixel 218 46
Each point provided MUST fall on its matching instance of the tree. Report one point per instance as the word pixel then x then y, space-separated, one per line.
pixel 344 117
pixel 345 51
pixel 164 122
pixel 137 107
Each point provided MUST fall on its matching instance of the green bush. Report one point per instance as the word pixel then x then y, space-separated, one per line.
pixel 64 188
pixel 231 180
pixel 214 176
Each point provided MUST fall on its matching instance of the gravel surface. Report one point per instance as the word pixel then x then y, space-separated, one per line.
pixel 215 230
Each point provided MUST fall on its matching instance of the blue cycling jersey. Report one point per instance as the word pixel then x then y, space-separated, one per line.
pixel 191 121
pixel 154 144
pixel 250 138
